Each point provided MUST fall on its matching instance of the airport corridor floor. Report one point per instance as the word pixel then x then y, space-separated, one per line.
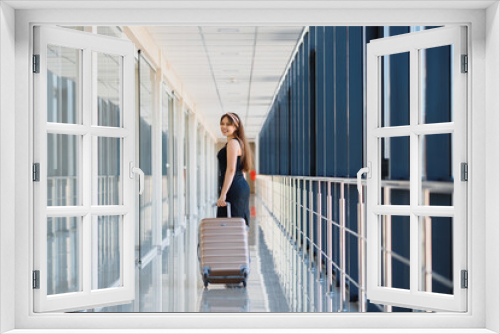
pixel 281 279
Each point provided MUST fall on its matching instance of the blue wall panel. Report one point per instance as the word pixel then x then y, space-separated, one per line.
pixel 340 102
pixel 320 99
pixel 311 105
pixel 300 109
pixel 356 94
pixel 307 134
pixel 294 120
pixel 329 102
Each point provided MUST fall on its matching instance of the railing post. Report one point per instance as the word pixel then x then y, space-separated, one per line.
pixel 318 226
pixel 342 247
pixel 311 229
pixel 304 215
pixel 329 239
pixel 361 253
pixel 294 211
pixel 289 207
pixel 298 217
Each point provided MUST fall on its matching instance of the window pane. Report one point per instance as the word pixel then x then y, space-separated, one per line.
pixel 147 96
pixel 185 164
pixel 165 148
pixel 436 85
pixel 109 31
pixel 395 90
pixel 63 85
pixel 395 252
pixel 395 170
pixel 436 254
pixel 63 172
pixel 174 109
pixel 106 251
pixel 437 169
pixel 109 176
pixel 109 89
pixel 63 254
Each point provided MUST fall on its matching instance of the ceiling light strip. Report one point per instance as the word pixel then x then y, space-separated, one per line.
pixel 251 72
pixel 300 40
pixel 211 69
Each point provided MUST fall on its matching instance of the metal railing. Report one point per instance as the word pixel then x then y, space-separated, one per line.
pixel 295 203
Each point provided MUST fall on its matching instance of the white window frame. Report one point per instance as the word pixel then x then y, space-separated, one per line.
pixel 475 320
pixel 412 43
pixel 86 43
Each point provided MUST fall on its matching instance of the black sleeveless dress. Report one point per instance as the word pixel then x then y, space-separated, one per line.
pixel 239 191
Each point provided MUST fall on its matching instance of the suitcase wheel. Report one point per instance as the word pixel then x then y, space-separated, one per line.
pixel 206 272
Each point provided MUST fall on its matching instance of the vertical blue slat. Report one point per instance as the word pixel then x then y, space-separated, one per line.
pixel 304 109
pixel 290 123
pixel 439 158
pixel 320 95
pixel 329 102
pixel 400 109
pixel 271 140
pixel 295 119
pixel 340 102
pixel 306 106
pixel 399 157
pixel 277 140
pixel 352 241
pixel 438 109
pixel 300 109
pixel 312 99
pixel 355 122
pixel 442 245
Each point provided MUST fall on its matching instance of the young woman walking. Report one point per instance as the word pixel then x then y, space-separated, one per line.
pixel 234 159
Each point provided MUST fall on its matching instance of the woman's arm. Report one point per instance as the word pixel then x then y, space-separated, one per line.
pixel 232 157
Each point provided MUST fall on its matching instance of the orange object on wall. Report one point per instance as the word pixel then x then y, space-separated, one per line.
pixel 253 175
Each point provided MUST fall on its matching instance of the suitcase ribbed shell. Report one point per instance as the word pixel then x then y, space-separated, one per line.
pixel 223 250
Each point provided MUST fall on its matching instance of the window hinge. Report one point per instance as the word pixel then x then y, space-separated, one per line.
pixel 36 172
pixel 465 279
pixel 465 171
pixel 465 64
pixel 36 63
pixel 36 279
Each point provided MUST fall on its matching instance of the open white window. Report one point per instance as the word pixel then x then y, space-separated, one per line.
pixel 416 215
pixel 84 153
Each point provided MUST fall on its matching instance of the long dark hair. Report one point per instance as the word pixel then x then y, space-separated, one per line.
pixel 246 156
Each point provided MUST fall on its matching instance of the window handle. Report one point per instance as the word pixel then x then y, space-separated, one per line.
pixel 368 171
pixel 136 170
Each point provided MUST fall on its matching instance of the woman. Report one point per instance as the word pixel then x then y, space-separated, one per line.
pixel 234 159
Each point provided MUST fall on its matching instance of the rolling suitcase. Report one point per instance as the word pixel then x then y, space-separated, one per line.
pixel 223 250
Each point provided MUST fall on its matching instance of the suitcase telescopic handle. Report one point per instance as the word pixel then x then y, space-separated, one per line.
pixel 228 209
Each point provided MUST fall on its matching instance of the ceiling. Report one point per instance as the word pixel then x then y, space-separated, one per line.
pixel 229 69
pixel 248 4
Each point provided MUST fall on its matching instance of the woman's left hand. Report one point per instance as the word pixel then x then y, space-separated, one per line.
pixel 221 201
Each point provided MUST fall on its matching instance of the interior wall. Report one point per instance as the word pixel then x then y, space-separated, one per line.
pixel 7 171
pixel 492 148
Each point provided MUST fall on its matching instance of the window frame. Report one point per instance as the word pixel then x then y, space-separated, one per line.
pixel 474 318
pixel 412 44
pixel 86 45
